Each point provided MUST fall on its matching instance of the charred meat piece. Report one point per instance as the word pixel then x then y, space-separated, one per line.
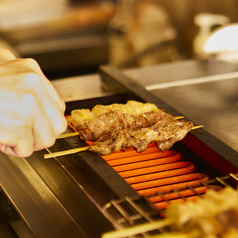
pixel 165 132
pixel 93 129
pixel 78 116
pixel 131 125
pixel 214 215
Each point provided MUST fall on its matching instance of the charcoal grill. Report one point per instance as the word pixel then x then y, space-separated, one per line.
pixel 86 195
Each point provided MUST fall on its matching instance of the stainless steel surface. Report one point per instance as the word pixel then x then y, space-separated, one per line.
pixel 48 202
pixel 199 80
pixel 213 102
pixel 28 193
pixel 183 70
pixel 81 87
pixel 214 105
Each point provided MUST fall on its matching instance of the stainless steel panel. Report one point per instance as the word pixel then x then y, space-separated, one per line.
pixel 213 104
pixel 47 200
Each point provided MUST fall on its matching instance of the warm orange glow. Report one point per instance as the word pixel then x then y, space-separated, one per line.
pixel 223 42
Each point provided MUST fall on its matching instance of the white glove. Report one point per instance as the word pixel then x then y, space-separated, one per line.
pixel 31 111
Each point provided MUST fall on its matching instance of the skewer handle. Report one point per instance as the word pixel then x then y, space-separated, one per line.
pixel 68 135
pixel 66 152
pixel 197 127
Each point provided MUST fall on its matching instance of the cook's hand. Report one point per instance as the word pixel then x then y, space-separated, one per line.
pixel 31 111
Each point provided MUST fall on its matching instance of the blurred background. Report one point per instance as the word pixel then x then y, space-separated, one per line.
pixel 74 37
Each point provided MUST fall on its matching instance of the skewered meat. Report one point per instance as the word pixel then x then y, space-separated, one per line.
pixel 215 215
pixel 103 119
pixel 79 116
pixel 91 130
pixel 130 125
pixel 165 132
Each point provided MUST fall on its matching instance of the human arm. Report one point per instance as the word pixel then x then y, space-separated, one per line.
pixel 31 111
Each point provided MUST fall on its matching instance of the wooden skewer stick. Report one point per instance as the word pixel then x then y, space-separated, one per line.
pixel 196 127
pixel 180 117
pixel 77 133
pixel 66 152
pixel 81 149
pixel 68 135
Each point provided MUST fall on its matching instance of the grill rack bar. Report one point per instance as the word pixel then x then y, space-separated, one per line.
pixel 143 211
pixel 130 211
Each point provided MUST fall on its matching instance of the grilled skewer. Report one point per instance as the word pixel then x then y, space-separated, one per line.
pixel 81 149
pixel 123 126
pixel 213 215
pixel 77 133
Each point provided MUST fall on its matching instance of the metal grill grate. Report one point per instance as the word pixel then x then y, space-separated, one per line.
pixel 129 212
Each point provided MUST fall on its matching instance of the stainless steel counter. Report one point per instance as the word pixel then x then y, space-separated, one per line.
pixel 205 92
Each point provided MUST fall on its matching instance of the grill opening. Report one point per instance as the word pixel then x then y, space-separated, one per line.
pixel 160 176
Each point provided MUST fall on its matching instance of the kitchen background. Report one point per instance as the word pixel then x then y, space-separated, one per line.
pixel 74 37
